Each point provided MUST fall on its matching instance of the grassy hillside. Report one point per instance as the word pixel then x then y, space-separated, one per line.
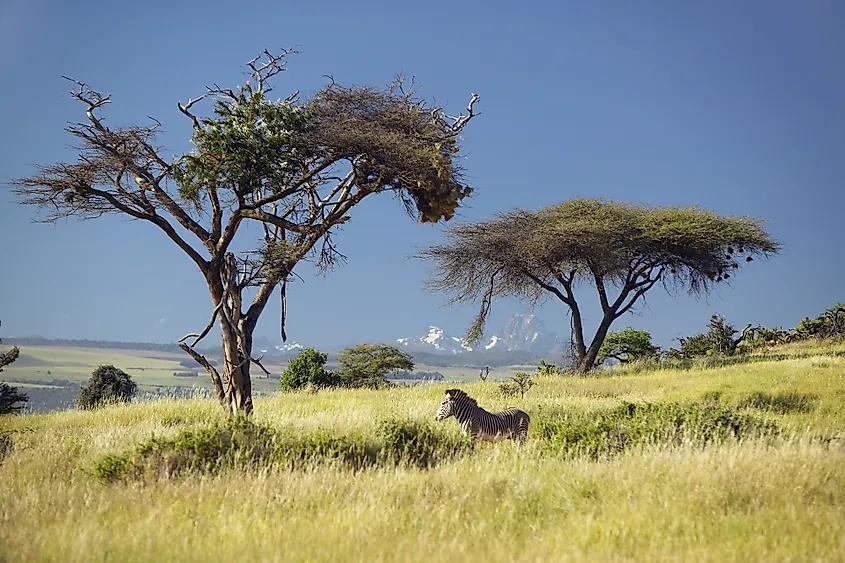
pixel 647 495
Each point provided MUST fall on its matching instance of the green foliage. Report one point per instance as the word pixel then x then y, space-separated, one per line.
pixel 7 358
pixel 830 324
pixel 719 339
pixel 106 385
pixel 308 368
pixel 418 444
pixel 548 369
pixel 780 403
pixel 692 347
pixel 627 345
pixel 11 400
pixel 249 138
pixel 239 443
pixel 528 255
pixel 517 384
pixel 368 365
pixel 612 431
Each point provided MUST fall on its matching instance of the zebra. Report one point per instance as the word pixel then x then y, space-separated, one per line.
pixel 480 424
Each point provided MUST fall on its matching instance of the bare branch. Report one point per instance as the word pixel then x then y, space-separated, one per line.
pixel 199 336
pixel 257 361
pixel 215 376
pixel 263 71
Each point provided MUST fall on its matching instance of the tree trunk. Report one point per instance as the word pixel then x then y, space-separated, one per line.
pixel 236 370
pixel 588 360
pixel 236 340
pixel 578 331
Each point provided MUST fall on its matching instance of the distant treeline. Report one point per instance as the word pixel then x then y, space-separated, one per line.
pixel 466 359
pixel 147 346
pixel 475 360
pixel 415 375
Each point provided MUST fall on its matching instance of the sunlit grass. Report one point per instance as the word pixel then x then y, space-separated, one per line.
pixel 752 500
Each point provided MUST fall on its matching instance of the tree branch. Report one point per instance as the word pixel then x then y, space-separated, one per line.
pixel 642 288
pixel 215 376
pixel 209 326
pixel 566 299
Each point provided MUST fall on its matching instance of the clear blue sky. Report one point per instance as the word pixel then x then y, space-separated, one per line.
pixel 736 106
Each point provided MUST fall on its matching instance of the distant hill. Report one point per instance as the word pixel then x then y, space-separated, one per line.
pixel 148 346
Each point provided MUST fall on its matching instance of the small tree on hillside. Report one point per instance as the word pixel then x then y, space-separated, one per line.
pixel 368 365
pixel 106 385
pixel 295 167
pixel 307 368
pixel 627 345
pixel 11 400
pixel 551 252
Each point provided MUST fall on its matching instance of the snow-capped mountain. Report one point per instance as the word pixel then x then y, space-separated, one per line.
pixel 525 333
pixel 522 332
pixel 435 340
pixel 264 345
pixel 289 348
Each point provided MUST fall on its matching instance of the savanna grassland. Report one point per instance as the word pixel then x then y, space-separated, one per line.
pixel 743 462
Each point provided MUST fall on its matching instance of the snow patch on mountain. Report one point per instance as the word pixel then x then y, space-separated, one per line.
pixel 435 340
pixel 522 332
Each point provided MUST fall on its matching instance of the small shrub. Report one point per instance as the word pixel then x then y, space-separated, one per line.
pixel 780 403
pixel 12 401
pixel 548 369
pixel 518 384
pixel 484 374
pixel 107 385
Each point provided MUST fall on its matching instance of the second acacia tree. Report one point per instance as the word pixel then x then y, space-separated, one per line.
pixel 621 250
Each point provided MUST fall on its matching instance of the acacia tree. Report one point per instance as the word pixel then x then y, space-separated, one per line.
pixel 530 255
pixel 367 365
pixel 295 166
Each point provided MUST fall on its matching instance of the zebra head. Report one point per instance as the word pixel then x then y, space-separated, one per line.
pixel 447 407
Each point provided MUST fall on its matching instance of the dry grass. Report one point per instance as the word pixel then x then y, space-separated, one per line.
pixel 754 500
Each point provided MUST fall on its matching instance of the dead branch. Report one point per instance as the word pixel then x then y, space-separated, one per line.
pixel 209 326
pixel 257 361
pixel 269 68
pixel 215 376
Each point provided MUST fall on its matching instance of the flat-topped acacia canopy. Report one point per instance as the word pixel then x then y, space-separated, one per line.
pixel 531 254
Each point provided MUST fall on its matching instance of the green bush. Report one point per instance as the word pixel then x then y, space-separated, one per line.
pixel 627 345
pixel 780 403
pixel 308 368
pixel 607 432
pixel 239 443
pixel 11 400
pixel 107 385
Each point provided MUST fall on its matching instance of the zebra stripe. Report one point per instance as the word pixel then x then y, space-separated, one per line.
pixel 511 423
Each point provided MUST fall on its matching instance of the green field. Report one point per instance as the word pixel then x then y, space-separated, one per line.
pixel 155 369
pixel 756 499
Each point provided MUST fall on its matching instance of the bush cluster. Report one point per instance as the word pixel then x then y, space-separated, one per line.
pixel 239 443
pixel 612 431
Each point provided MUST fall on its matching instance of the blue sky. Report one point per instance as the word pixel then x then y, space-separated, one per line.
pixel 736 106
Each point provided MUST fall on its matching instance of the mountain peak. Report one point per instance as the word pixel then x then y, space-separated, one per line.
pixel 522 332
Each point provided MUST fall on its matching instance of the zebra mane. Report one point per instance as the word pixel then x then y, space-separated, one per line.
pixel 457 393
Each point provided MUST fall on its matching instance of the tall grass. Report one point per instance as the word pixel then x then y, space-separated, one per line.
pixel 732 463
